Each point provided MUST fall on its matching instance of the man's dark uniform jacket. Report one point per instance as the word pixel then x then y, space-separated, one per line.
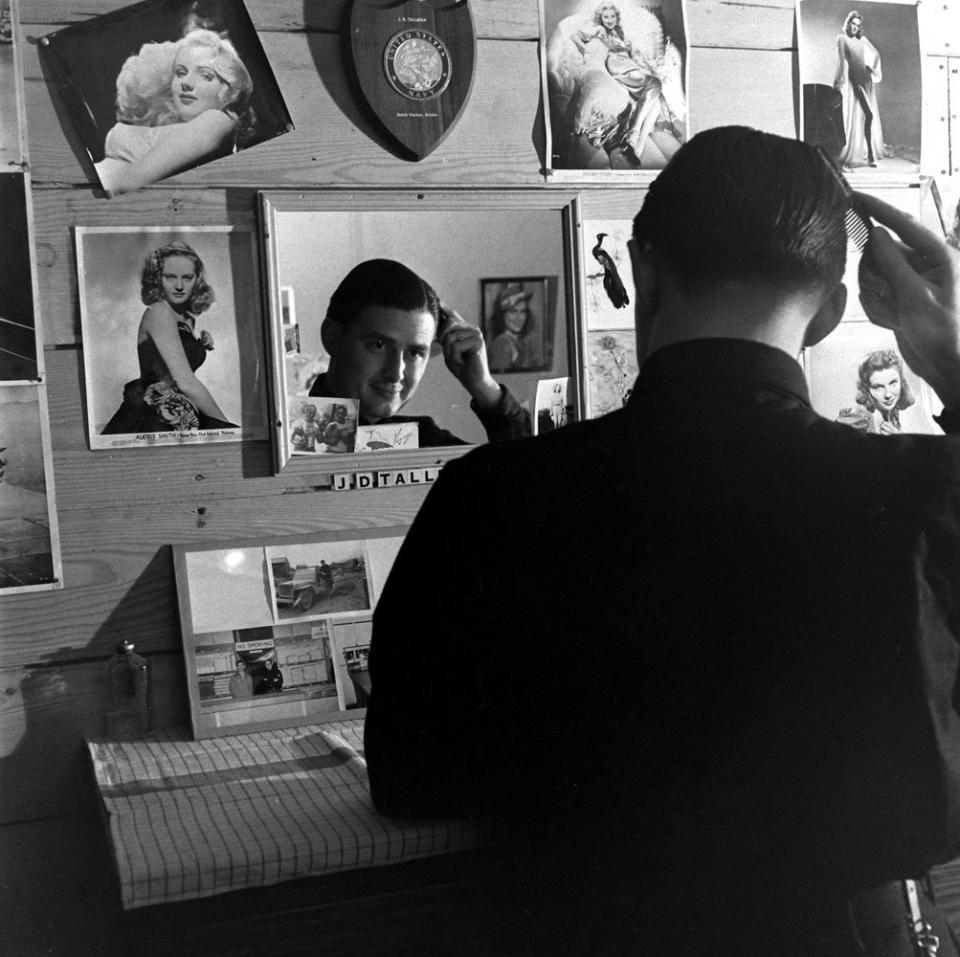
pixel 699 656
pixel 506 420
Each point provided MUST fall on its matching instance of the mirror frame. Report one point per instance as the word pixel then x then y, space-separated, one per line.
pixel 566 204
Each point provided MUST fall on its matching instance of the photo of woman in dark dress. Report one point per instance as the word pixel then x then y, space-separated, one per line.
pixel 168 396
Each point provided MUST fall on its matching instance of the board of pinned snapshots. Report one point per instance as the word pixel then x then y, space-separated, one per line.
pixel 276 631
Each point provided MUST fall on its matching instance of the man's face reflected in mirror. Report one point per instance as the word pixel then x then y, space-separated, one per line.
pixel 378 357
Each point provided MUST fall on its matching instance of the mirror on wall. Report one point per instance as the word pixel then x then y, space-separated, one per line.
pixel 385 385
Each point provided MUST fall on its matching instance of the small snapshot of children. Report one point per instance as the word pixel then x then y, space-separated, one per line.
pixel 322 426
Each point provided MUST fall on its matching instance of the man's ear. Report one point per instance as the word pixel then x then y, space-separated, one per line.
pixel 330 333
pixel 645 284
pixel 827 317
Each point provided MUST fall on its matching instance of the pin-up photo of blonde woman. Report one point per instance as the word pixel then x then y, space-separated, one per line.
pixel 160 88
pixel 616 83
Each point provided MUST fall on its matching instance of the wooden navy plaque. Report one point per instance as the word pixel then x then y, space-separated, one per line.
pixel 413 61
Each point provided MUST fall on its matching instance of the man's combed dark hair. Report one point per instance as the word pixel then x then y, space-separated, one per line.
pixel 736 203
pixel 382 282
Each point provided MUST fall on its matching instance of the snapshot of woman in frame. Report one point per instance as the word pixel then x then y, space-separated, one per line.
pixel 164 86
pixel 191 369
pixel 517 325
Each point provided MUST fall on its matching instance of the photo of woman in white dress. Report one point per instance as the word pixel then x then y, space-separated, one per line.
pixel 861 76
pixel 858 69
pixel 616 87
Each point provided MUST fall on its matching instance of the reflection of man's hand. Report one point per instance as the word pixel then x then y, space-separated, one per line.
pixel 465 354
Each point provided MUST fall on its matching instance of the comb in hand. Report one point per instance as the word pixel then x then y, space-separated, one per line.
pixel 858 224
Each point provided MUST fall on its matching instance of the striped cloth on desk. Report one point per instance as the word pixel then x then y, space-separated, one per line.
pixel 196 818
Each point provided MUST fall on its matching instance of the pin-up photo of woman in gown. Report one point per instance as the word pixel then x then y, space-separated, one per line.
pixel 168 396
pixel 858 70
pixel 861 75
pixel 616 83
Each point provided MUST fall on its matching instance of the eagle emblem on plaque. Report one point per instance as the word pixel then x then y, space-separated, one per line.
pixel 413 63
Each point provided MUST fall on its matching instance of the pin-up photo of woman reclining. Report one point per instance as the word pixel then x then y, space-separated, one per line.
pixel 616 89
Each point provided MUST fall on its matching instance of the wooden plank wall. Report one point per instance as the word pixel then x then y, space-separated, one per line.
pixel 121 511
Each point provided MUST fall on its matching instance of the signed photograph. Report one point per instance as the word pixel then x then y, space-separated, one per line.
pixel 172 337
pixel 163 86
pixel 388 435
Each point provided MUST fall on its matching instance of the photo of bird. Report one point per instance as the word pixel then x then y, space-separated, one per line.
pixel 612 282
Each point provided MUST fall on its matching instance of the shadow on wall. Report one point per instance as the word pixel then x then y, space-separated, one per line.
pixel 323 22
pixel 47 708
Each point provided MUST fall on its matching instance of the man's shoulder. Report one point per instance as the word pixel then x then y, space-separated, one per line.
pixel 574 452
pixel 897 473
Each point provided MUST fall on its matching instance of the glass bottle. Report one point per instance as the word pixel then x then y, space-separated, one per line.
pixel 128 687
